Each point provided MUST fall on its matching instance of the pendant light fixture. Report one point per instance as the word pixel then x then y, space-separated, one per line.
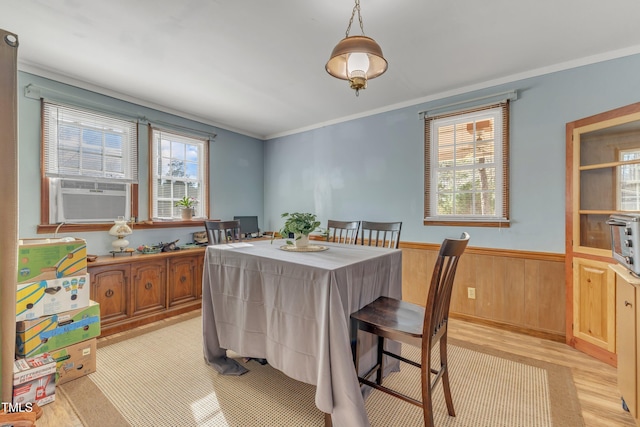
pixel 356 58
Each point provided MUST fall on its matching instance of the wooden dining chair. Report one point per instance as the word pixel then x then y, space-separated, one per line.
pixel 385 234
pixel 342 231
pixel 223 231
pixel 415 325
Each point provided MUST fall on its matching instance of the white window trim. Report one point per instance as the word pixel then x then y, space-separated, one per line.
pixel 202 180
pixel 501 209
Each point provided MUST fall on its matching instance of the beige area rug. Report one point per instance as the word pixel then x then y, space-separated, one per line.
pixel 159 378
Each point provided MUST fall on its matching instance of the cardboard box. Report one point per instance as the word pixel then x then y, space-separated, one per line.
pixel 34 380
pixel 49 333
pixel 75 360
pixel 47 259
pixel 47 297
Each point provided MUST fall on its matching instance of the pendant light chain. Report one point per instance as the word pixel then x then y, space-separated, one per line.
pixel 353 14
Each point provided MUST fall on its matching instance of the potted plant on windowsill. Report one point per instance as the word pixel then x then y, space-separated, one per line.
pixel 186 204
pixel 300 225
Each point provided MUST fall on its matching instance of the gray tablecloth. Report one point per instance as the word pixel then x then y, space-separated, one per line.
pixel 293 308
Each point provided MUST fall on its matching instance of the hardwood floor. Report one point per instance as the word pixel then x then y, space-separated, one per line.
pixel 596 382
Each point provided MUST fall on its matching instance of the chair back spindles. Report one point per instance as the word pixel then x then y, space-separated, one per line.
pixel 383 234
pixel 219 232
pixel 342 231
pixel 439 296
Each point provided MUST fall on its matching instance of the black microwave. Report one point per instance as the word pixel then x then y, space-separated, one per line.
pixel 625 240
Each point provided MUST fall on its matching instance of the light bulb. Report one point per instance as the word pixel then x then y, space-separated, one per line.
pixel 358 61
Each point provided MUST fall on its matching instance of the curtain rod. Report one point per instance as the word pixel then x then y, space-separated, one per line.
pixel 32 91
pixel 172 127
pixel 502 96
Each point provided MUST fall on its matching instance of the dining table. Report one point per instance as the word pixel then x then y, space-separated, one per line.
pixel 291 306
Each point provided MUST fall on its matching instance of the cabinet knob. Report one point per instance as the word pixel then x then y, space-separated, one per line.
pixel 109 293
pixel 628 304
pixel 148 285
pixel 183 279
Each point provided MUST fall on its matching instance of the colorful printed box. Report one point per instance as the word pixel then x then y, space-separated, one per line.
pixel 47 259
pixel 34 380
pixel 49 333
pixel 48 297
pixel 75 361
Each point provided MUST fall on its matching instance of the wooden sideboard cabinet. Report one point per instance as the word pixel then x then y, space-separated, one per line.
pixel 139 289
pixel 628 341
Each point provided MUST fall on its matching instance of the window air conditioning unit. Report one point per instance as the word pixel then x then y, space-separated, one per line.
pixel 89 201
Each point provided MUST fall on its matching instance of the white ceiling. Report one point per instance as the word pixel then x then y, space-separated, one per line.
pixel 257 66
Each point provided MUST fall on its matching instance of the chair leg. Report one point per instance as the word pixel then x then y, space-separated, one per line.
pixel 355 351
pixel 380 363
pixel 425 374
pixel 445 376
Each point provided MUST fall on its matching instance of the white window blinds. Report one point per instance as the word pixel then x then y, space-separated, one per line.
pixel 83 144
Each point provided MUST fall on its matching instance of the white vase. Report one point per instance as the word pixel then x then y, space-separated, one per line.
pixel 301 240
pixel 187 214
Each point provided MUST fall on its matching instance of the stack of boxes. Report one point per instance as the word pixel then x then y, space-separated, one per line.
pixel 56 322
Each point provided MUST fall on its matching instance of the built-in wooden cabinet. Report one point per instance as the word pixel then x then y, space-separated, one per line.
pixel 627 318
pixel 602 178
pixel 139 289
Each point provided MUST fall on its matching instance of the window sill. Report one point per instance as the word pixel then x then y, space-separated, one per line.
pixel 105 226
pixel 468 223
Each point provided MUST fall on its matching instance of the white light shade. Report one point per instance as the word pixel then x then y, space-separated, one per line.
pixel 356 46
pixel 357 61
pixel 120 229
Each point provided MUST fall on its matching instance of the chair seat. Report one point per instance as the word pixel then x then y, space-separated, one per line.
pixel 393 317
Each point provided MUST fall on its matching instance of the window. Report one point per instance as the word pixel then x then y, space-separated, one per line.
pixel 629 180
pixel 178 169
pixel 90 165
pixel 466 169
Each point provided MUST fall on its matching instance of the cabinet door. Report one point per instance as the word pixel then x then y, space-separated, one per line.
pixel 626 347
pixel 148 287
pixel 594 303
pixel 110 288
pixel 182 280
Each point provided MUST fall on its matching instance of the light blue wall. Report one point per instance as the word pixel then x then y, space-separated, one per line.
pixel 373 168
pixel 369 168
pixel 236 167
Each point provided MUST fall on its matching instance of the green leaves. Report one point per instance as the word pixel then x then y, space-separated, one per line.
pixel 186 202
pixel 299 223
